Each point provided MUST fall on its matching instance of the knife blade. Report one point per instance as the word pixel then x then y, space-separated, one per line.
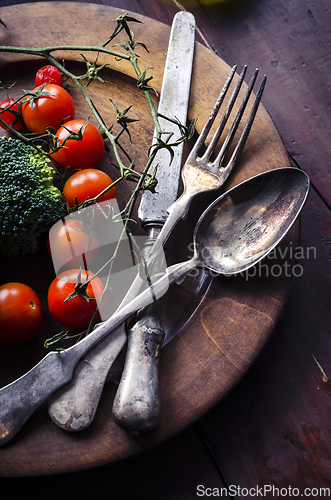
pixel 173 104
pixel 73 407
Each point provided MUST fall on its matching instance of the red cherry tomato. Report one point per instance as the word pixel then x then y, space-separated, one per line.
pixel 20 313
pixel 88 183
pixel 8 116
pixel 86 153
pixel 71 246
pixel 48 74
pixel 76 312
pixel 49 110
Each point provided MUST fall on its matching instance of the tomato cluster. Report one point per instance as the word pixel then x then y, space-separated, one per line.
pixel 51 107
pixel 73 295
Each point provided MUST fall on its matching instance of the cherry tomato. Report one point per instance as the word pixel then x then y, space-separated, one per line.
pixel 49 110
pixel 20 313
pixel 8 116
pixel 48 74
pixel 77 155
pixel 76 312
pixel 71 246
pixel 88 183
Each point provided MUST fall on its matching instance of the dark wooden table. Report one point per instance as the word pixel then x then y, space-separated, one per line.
pixel 273 429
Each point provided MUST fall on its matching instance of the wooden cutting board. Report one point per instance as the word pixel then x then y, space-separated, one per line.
pixel 223 323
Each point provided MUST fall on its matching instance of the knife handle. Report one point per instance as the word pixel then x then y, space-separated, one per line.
pixel 137 404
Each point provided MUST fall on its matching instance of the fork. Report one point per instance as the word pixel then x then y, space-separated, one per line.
pixel 73 407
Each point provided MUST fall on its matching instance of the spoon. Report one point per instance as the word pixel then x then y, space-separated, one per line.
pixel 235 232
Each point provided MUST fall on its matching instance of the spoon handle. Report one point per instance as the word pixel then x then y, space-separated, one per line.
pixel 21 398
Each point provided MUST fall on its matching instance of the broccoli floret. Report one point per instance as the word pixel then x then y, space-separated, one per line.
pixel 29 202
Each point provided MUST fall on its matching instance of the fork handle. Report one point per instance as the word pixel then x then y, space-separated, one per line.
pixel 178 210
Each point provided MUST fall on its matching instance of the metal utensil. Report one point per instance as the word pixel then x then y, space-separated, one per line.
pixel 73 407
pixel 136 406
pixel 234 233
pixel 76 410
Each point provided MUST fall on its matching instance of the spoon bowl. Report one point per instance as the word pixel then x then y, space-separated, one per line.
pixel 242 226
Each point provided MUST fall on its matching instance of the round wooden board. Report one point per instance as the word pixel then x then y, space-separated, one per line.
pixel 223 323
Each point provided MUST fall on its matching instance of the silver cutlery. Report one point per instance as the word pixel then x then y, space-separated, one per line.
pixel 136 405
pixel 234 233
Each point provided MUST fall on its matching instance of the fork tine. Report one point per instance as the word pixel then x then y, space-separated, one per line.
pixel 231 134
pixel 241 143
pixel 225 116
pixel 226 171
pixel 201 139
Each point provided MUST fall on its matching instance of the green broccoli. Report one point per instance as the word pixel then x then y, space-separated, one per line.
pixel 29 202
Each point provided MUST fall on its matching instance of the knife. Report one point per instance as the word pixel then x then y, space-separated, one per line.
pixel 137 404
pixel 73 407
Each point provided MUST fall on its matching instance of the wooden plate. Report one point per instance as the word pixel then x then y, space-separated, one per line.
pixel 223 323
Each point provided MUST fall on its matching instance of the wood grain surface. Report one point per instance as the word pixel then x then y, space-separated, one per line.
pixel 220 340
pixel 273 428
